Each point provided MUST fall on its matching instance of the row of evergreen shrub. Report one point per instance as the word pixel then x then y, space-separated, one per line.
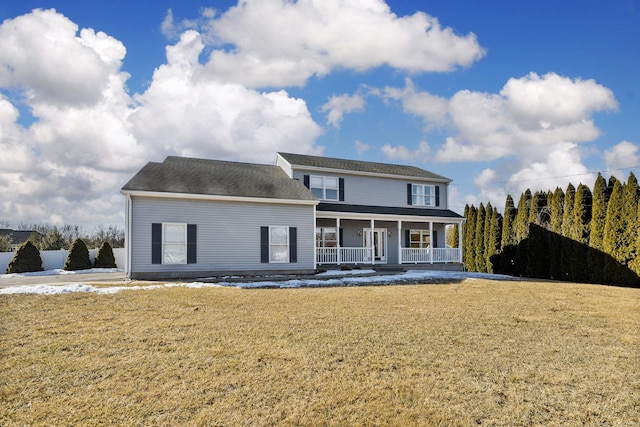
pixel 27 258
pixel 575 235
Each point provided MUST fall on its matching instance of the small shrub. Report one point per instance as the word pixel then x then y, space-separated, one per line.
pixel 78 257
pixel 26 259
pixel 104 257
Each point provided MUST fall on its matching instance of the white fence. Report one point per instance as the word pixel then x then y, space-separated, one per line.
pixel 347 255
pixel 55 259
pixel 409 255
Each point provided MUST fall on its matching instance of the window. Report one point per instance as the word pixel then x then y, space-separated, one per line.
pixel 324 187
pixel 278 244
pixel 173 243
pixel 326 237
pixel 419 239
pixel 423 195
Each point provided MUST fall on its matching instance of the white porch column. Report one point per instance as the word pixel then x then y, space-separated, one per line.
pixel 399 241
pixel 431 242
pixel 338 240
pixel 373 245
pixel 460 243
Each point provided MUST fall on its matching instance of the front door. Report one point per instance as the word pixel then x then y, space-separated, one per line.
pixel 379 241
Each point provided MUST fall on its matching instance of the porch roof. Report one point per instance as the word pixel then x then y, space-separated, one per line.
pixel 389 210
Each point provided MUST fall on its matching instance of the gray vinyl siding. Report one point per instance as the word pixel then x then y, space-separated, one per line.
pixel 228 234
pixel 376 191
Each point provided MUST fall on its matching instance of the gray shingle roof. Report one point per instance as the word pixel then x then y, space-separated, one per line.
pixel 217 178
pixel 360 166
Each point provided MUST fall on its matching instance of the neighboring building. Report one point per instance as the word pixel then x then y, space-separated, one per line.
pixel 196 218
pixel 17 237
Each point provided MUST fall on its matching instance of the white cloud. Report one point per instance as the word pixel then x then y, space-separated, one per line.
pixel 337 106
pixel 401 152
pixel 361 147
pixel 432 109
pixel 312 37
pixel 621 156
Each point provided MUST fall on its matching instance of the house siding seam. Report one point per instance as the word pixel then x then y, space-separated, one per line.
pixel 228 234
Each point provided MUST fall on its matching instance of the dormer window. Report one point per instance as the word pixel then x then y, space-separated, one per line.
pixel 324 187
pixel 423 195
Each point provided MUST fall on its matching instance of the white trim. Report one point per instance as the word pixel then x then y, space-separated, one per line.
pixel 127 235
pixel 386 217
pixel 324 187
pixel 302 169
pixel 185 196
pixel 424 196
pixel 286 261
pixel 284 164
pixel 185 244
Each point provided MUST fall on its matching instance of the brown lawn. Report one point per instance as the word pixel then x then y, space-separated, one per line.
pixel 472 353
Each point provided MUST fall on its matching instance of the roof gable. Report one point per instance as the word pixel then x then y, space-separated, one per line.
pixel 217 178
pixel 302 160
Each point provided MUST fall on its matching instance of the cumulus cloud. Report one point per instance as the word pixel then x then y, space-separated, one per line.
pixel 312 37
pixel 401 152
pixel 621 156
pixel 361 147
pixel 432 109
pixel 339 105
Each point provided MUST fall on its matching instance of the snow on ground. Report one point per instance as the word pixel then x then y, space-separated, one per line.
pixel 60 272
pixel 352 278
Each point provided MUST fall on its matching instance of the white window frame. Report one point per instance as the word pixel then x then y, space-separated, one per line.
pixel 419 196
pixel 166 244
pixel 324 187
pixel 322 241
pixel 421 243
pixel 272 245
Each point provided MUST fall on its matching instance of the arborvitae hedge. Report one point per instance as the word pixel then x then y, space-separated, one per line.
pixel 104 257
pixel 78 257
pixel 576 236
pixel 26 259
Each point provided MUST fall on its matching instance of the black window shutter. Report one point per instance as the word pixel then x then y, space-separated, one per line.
pixel 305 181
pixel 435 239
pixel 437 195
pixel 192 243
pixel 341 189
pixel 409 195
pixel 264 245
pixel 407 238
pixel 156 243
pixel 341 237
pixel 293 244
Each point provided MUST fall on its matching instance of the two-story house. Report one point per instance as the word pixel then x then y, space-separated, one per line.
pixel 197 218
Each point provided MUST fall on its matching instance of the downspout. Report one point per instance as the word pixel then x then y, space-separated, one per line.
pixel 127 237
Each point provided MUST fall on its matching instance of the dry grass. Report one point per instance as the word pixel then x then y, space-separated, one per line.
pixel 477 352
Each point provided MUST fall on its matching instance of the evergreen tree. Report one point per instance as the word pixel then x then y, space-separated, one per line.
pixel 557 211
pixel 469 240
pixel 580 234
pixel 555 242
pixel 5 243
pixel 521 222
pixel 566 251
pixel 630 219
pixel 78 257
pixel 480 263
pixel 598 214
pixel 507 237
pixel 492 229
pixel 104 257
pixel 26 259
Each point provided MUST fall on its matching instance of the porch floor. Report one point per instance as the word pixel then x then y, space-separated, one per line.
pixel 394 267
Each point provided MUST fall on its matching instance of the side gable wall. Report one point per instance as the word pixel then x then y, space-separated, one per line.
pixel 228 236
pixel 376 191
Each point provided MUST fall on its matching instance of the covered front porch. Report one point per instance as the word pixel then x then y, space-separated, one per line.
pixel 348 238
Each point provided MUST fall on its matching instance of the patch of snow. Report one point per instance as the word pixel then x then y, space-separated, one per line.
pixel 61 272
pixel 412 276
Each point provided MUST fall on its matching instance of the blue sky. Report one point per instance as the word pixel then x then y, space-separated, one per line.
pixel 499 96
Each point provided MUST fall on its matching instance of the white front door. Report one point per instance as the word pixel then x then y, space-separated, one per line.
pixel 377 239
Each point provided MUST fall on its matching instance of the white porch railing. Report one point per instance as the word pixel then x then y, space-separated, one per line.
pixel 440 255
pixel 409 255
pixel 347 255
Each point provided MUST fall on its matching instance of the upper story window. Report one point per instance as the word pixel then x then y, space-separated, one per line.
pixel 423 195
pixel 324 187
